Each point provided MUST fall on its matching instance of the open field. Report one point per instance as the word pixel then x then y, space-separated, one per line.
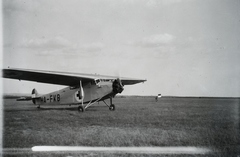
pixel 137 121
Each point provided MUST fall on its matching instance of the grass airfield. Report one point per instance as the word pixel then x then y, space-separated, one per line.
pixel 137 121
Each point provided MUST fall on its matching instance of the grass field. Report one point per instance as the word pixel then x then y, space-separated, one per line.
pixel 137 121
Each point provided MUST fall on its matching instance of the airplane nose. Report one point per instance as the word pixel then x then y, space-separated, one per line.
pixel 117 86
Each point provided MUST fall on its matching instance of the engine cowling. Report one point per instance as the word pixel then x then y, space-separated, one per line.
pixel 117 86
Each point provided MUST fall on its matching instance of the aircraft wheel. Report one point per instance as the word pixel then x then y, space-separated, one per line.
pixel 112 107
pixel 80 109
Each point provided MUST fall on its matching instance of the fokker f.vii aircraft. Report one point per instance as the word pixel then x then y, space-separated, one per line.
pixel 83 89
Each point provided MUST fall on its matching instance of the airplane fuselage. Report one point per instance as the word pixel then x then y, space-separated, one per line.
pixel 73 95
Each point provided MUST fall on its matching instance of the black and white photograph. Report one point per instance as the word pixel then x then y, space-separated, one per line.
pixel 120 78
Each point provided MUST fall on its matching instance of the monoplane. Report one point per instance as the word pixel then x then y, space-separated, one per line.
pixel 83 90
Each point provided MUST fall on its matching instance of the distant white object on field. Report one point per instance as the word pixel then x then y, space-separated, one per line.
pixel 158 96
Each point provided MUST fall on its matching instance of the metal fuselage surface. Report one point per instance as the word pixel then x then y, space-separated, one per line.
pixel 74 95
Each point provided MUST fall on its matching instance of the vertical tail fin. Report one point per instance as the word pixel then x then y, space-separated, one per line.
pixel 34 95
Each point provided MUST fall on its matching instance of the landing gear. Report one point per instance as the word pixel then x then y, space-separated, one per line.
pixel 112 107
pixel 80 109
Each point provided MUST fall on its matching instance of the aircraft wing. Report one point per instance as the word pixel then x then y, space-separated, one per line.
pixel 130 81
pixel 60 78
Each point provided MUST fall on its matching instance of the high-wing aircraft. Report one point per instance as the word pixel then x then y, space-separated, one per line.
pixel 82 89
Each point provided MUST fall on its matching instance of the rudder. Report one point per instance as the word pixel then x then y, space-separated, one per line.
pixel 34 95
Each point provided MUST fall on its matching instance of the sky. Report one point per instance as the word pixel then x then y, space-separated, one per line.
pixel 182 47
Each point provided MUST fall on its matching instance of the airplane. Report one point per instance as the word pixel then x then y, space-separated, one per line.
pixel 83 90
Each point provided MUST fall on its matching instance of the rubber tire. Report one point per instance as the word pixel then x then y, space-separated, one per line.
pixel 80 109
pixel 112 107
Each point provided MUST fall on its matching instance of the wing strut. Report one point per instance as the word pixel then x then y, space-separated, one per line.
pixel 91 103
pixel 81 108
pixel 82 92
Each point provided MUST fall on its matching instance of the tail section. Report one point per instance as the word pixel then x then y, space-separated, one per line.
pixel 35 95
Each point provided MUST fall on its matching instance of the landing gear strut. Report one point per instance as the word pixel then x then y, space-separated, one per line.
pixel 112 106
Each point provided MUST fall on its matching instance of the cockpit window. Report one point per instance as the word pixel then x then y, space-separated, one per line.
pixel 97 81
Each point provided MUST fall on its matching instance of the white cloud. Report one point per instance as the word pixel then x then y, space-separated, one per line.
pixel 154 3
pixel 57 42
pixel 155 40
pixel 92 47
pixel 59 45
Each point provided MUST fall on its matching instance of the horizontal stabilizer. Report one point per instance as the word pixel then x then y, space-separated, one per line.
pixel 24 98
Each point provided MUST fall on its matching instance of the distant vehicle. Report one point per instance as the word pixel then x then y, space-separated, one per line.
pixel 82 88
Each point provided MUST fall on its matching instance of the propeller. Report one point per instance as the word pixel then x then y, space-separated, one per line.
pixel 118 74
pixel 117 86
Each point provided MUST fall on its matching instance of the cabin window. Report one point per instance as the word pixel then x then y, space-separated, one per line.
pixel 97 81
